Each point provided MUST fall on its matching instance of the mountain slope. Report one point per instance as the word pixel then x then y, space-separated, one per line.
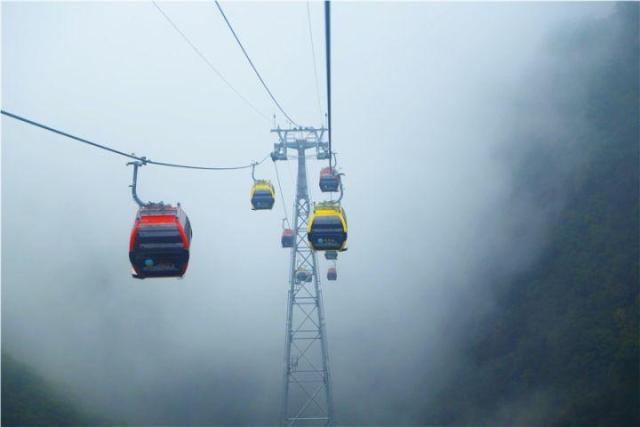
pixel 27 399
pixel 562 346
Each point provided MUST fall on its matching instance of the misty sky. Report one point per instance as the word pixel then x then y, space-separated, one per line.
pixel 422 95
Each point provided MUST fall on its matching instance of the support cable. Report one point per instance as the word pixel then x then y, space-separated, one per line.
pixel 142 159
pixel 313 55
pixel 204 58
pixel 253 66
pixel 327 32
pixel 284 204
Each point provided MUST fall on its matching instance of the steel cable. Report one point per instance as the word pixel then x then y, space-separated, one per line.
pixel 275 101
pixel 327 28
pixel 313 55
pixel 204 58
pixel 284 203
pixel 142 159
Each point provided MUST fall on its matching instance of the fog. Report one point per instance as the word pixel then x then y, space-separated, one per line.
pixel 427 98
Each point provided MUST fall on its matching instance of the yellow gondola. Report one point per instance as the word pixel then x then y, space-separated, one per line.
pixel 327 229
pixel 263 195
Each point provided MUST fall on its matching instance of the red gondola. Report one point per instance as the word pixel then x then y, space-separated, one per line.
pixel 332 274
pixel 287 238
pixel 329 180
pixel 160 241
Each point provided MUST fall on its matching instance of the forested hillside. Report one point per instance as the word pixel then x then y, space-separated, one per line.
pixel 29 400
pixel 561 347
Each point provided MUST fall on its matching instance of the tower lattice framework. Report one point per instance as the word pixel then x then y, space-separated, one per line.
pixel 306 392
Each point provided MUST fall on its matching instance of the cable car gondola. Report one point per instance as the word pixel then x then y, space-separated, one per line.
pixel 327 229
pixel 331 255
pixel 160 241
pixel 332 274
pixel 262 195
pixel 287 238
pixel 303 275
pixel 329 180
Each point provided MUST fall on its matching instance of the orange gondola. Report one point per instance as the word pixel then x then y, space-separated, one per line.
pixel 160 241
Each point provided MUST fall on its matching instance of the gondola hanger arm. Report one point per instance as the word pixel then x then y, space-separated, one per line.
pixel 134 183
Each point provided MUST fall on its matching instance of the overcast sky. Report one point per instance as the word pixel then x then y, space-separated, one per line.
pixel 421 92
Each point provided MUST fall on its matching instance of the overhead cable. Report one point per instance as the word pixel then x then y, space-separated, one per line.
pixel 142 159
pixel 313 55
pixel 327 32
pixel 284 204
pixel 206 60
pixel 275 101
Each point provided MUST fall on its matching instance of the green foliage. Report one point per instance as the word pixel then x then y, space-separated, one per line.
pixel 562 346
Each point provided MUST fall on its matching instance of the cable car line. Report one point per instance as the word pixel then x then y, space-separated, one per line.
pixel 221 168
pixel 253 66
pixel 59 132
pixel 313 54
pixel 142 159
pixel 327 33
pixel 211 66
pixel 284 204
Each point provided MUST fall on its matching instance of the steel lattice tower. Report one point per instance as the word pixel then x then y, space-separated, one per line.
pixel 306 391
